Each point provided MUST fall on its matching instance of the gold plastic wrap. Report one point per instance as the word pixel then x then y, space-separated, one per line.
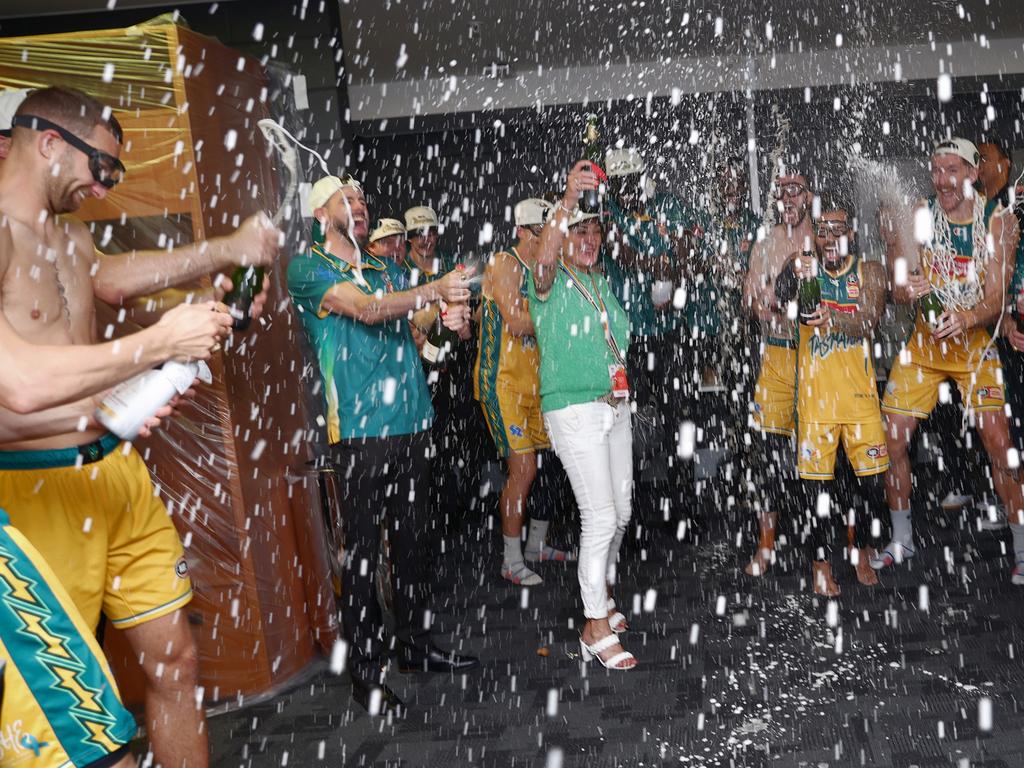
pixel 233 468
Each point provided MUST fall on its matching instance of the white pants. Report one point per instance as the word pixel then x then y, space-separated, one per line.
pixel 594 442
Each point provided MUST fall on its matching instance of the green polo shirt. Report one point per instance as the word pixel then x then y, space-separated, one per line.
pixel 709 299
pixel 644 234
pixel 574 355
pixel 373 382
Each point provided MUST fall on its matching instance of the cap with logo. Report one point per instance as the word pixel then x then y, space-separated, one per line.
pixel 386 228
pixel 324 190
pixel 420 217
pixel 578 217
pixel 10 100
pixel 532 211
pixel 962 148
pixel 622 162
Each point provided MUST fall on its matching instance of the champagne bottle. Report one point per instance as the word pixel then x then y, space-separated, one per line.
pixel 124 410
pixel 809 292
pixel 591 200
pixel 1018 312
pixel 246 283
pixel 440 339
pixel 931 309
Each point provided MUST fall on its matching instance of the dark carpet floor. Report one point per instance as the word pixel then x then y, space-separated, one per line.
pixel 924 670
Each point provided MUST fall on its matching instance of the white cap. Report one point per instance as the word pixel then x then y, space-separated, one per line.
pixel 622 162
pixel 962 148
pixel 420 217
pixel 532 211
pixel 578 217
pixel 324 190
pixel 10 100
pixel 386 228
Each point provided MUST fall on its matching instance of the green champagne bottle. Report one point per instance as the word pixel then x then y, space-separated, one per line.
pixel 590 201
pixel 246 283
pixel 809 292
pixel 931 309
pixel 440 341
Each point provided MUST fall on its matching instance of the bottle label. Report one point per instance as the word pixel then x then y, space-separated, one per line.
pixel 430 352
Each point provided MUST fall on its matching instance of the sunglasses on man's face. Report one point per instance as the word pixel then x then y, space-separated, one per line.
pixel 793 189
pixel 106 169
pixel 834 228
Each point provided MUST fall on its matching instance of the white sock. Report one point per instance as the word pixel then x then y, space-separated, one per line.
pixel 513 553
pixel 1017 529
pixel 536 538
pixel 902 530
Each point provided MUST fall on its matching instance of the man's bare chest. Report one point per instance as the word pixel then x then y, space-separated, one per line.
pixel 47 291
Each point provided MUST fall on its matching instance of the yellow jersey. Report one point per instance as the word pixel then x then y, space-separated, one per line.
pixel 835 374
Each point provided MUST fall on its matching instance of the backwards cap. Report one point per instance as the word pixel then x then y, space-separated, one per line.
pixel 962 148
pixel 532 211
pixel 10 100
pixel 324 190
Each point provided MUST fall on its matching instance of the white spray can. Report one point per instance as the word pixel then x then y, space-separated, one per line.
pixel 125 410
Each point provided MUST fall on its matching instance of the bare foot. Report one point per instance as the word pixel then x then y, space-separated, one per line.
pixel 759 563
pixel 861 559
pixel 824 584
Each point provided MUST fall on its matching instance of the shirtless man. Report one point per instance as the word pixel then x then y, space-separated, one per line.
pixel 114 548
pixel 775 392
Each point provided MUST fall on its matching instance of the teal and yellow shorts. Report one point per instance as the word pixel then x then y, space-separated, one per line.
pixel 93 514
pixel 60 703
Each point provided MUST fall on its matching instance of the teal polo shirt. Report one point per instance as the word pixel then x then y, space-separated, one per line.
pixel 372 379
pixel 643 234
pixel 706 302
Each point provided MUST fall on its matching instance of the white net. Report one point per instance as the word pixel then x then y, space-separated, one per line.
pixel 958 291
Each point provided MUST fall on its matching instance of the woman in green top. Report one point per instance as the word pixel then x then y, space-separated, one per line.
pixel 583 334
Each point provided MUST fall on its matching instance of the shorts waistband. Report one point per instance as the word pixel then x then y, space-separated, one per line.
pixel 773 341
pixel 60 457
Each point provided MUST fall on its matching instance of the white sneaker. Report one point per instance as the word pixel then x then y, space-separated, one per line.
pixel 1017 578
pixel 954 502
pixel 894 552
pixel 993 517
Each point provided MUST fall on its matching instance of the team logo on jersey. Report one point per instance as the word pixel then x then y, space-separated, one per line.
pixel 181 568
pixel 890 388
pixel 853 286
pixel 877 451
pixel 808 451
pixel 995 393
pixel 516 430
pixel 992 354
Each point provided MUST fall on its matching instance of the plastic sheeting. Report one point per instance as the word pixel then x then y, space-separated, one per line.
pixel 233 468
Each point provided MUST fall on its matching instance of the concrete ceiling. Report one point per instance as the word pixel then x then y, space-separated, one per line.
pixel 429 57
pixel 396 40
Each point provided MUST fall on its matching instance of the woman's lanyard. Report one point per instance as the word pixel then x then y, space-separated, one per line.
pixel 598 304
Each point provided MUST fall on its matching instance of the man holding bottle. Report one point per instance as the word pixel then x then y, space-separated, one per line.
pixel 379 418
pixel 842 298
pixel 966 263
pixel 114 549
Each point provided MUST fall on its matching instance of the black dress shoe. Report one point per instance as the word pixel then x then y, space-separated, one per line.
pixel 433 659
pixel 362 694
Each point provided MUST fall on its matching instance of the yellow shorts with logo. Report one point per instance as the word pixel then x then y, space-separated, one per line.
pixel 103 530
pixel 775 392
pixel 60 703
pixel 863 443
pixel 514 420
pixel 913 386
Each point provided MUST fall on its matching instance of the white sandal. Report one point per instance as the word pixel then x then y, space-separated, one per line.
pixel 590 652
pixel 616 620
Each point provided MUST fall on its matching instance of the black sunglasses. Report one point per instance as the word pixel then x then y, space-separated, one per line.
pixel 105 168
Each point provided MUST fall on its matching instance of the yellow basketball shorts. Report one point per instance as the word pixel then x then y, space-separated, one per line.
pixel 864 444
pixel 514 420
pixel 913 386
pixel 101 527
pixel 60 704
pixel 775 392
